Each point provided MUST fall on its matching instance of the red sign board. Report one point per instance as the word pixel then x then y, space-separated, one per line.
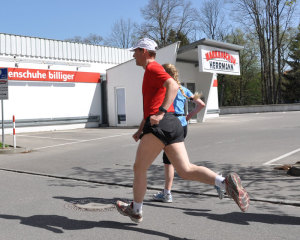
pixel 25 74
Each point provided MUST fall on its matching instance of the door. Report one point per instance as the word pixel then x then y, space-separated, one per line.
pixel 120 106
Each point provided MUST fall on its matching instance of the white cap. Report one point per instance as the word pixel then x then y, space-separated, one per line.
pixel 145 43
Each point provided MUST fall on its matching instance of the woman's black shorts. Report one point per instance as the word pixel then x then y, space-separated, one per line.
pixel 169 129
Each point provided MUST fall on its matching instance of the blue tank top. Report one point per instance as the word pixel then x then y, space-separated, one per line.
pixel 179 103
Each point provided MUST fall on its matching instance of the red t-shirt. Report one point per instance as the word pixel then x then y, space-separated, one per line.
pixel 153 90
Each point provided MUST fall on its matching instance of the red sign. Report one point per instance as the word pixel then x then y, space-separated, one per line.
pixel 220 54
pixel 24 74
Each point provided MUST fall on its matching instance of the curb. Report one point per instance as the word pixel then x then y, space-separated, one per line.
pixel 11 150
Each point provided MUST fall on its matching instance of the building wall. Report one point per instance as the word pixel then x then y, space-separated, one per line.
pixel 130 77
pixel 36 103
pixel 189 73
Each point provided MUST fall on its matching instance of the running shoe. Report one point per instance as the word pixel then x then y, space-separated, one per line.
pixel 235 190
pixel 127 210
pixel 220 192
pixel 161 197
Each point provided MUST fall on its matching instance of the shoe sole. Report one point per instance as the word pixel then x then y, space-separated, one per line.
pixel 236 191
pixel 124 214
pixel 161 200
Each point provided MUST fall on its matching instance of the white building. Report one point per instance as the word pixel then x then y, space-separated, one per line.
pixel 58 85
pixel 198 65
pixel 55 84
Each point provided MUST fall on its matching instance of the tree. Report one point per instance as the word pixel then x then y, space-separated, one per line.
pixel 93 39
pixel 212 20
pixel 174 36
pixel 291 85
pixel 271 20
pixel 243 89
pixel 122 35
pixel 164 17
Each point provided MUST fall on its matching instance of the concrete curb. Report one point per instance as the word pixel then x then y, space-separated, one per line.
pixel 11 150
pixel 259 108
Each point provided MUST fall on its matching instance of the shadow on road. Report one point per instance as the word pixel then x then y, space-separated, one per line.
pixel 260 181
pixel 57 224
pixel 246 218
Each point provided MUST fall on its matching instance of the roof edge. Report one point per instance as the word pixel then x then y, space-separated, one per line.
pixel 210 43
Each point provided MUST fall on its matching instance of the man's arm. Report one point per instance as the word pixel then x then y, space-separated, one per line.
pixel 171 92
pixel 138 133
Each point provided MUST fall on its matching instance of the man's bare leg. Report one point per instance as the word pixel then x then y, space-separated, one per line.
pixel 232 183
pixel 178 156
pixel 148 149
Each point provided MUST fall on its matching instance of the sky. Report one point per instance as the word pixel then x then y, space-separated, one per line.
pixel 62 19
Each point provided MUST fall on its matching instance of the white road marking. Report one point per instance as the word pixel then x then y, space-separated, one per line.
pixel 82 141
pixel 281 157
pixel 66 139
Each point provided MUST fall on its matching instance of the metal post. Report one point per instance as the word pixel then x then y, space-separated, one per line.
pixel 3 143
pixel 14 132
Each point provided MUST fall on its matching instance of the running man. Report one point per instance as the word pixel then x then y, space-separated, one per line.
pixel 161 130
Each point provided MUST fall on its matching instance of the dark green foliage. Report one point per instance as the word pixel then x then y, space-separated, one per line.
pixel 291 84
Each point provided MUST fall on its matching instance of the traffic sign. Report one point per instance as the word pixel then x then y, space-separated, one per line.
pixel 3 84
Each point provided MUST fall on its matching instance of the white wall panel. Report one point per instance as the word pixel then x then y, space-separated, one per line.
pixel 73 53
pixel 101 54
pixel 28 47
pixel 33 47
pixel 51 49
pixel 13 45
pixel 2 43
pixel 112 57
pixel 90 55
pixel 38 48
pixel 55 49
pixel 60 50
pixel 85 52
pixel 79 49
pixel 18 45
pixel 23 46
pixel 76 51
pixel 106 55
pixel 7 44
pixel 64 50
pixel 42 48
pixel 46 48
pixel 69 54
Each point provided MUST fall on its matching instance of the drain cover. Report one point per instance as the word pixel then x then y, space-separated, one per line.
pixel 95 206
pixel 86 205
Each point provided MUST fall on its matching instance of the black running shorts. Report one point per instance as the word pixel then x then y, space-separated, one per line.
pixel 165 158
pixel 169 129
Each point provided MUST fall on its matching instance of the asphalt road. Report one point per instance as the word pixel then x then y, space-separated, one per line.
pixel 65 186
